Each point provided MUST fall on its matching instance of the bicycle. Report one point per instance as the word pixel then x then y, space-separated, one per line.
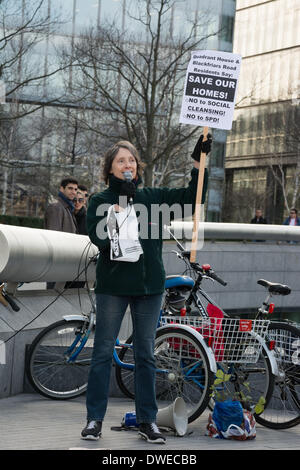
pixel 186 362
pixel 58 361
pixel 242 354
pixel 184 297
pixel 283 409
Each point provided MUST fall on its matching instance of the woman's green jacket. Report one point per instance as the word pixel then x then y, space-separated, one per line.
pixel 152 206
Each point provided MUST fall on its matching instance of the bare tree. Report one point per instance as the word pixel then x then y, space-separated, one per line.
pixel 25 31
pixel 26 74
pixel 134 82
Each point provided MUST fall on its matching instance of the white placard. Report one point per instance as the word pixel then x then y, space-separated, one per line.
pixel 122 229
pixel 210 89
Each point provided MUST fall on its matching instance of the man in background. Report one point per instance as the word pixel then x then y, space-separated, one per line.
pixel 60 215
pixel 259 219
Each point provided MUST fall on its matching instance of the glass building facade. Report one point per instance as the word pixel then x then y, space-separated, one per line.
pixel 263 146
pixel 76 17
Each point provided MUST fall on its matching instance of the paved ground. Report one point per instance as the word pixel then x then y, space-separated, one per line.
pixel 32 422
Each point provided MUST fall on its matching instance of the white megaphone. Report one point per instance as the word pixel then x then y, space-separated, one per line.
pixel 174 416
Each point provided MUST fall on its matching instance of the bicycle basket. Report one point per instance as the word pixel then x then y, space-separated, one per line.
pixel 287 346
pixel 231 339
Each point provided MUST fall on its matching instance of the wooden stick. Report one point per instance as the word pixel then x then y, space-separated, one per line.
pixel 198 201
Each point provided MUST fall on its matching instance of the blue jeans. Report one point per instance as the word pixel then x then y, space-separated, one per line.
pixel 145 312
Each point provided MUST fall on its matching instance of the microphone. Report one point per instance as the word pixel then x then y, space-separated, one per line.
pixel 128 178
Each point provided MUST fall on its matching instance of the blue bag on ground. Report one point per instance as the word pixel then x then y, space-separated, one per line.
pixel 226 413
pixel 230 421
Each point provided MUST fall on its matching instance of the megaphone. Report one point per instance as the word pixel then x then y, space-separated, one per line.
pixel 174 416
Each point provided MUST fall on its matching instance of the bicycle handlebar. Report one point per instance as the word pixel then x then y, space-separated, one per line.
pixel 214 276
pixel 204 269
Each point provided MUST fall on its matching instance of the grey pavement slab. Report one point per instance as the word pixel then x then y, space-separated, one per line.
pixel 32 422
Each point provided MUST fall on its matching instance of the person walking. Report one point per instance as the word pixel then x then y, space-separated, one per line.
pixel 137 282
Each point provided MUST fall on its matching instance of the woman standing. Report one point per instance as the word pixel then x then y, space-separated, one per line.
pixel 138 283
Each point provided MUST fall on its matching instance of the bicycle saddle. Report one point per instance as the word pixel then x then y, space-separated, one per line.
pixel 275 288
pixel 175 280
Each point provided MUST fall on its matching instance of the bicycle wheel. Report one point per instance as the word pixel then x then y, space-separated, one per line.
pixel 182 370
pixel 249 381
pixel 49 365
pixel 283 408
pixel 125 377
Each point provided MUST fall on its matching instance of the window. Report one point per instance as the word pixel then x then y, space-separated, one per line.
pixel 217 156
pixel 227 23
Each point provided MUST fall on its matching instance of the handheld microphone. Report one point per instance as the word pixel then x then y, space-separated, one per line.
pixel 128 175
pixel 128 178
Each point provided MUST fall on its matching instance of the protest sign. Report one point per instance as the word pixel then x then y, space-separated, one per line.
pixel 208 101
pixel 210 89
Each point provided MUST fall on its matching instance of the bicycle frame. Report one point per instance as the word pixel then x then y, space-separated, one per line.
pixel 263 310
pixel 124 365
pixel 73 351
pixel 194 296
pixel 200 338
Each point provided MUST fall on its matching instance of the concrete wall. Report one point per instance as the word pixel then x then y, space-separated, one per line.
pixel 240 264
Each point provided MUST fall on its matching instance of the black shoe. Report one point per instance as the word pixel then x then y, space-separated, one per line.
pixel 151 433
pixel 92 431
